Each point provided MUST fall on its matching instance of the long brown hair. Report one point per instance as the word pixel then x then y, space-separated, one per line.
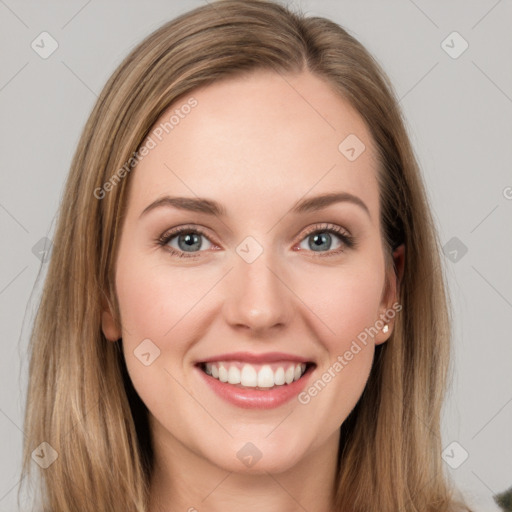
pixel 80 399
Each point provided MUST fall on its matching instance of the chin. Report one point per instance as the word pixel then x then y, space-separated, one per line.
pixel 259 454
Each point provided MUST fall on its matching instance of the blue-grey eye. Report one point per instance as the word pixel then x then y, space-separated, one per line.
pixel 320 241
pixel 189 241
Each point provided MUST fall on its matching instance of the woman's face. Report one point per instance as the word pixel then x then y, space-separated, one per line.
pixel 274 283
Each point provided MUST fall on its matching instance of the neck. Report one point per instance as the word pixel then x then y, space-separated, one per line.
pixel 184 481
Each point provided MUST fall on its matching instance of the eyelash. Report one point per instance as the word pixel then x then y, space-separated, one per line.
pixel 347 240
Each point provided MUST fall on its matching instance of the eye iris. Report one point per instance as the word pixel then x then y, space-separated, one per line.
pixel 321 238
pixel 192 241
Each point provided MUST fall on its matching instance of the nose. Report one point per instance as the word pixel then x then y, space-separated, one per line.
pixel 257 297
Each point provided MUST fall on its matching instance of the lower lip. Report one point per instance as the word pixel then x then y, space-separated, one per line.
pixel 251 398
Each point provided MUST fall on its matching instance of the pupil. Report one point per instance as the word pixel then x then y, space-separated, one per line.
pixel 320 238
pixel 190 240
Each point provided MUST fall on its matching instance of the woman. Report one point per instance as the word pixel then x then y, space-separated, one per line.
pixel 196 347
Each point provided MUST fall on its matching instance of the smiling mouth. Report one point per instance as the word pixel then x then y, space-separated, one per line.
pixel 256 376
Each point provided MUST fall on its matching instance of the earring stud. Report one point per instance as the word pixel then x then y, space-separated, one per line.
pixel 385 328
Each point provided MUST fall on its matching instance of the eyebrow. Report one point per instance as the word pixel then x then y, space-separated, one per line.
pixel 210 207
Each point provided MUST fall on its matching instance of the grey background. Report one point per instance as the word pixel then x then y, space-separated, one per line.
pixel 458 112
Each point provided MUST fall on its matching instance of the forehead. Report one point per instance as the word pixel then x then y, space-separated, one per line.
pixel 257 140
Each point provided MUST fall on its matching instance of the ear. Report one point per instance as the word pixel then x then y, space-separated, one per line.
pixel 108 324
pixel 388 312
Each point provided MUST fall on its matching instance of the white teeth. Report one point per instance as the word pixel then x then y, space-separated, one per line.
pixel 251 376
pixel 265 377
pixel 279 377
pixel 234 375
pixel 289 375
pixel 223 374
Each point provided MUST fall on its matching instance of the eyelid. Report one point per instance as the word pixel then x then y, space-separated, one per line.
pixel 326 227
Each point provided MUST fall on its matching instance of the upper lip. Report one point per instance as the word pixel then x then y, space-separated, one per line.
pixel 247 357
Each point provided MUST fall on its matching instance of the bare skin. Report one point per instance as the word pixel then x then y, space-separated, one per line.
pixel 257 147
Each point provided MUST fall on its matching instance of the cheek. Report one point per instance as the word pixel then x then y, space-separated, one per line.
pixel 346 306
pixel 152 313
pixel 346 301
pixel 160 305
pixel 151 299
